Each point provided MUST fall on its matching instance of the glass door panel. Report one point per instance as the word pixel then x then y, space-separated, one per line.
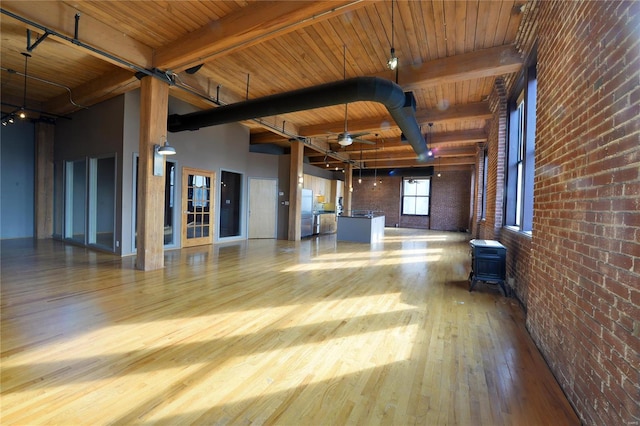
pixel 197 196
pixel 75 200
pixel 102 179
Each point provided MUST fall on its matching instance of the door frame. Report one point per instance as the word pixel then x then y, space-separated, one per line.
pixel 275 207
pixel 190 242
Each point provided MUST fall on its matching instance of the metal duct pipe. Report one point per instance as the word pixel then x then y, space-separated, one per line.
pixel 400 105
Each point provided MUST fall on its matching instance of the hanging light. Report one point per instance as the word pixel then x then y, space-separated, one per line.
pixel 375 170
pixel 22 114
pixel 360 169
pixel 392 63
pixel 430 138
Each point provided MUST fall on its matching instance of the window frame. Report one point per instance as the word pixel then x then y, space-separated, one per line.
pixel 416 196
pixel 521 153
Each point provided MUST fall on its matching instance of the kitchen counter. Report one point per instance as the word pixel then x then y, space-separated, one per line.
pixel 327 221
pixel 361 228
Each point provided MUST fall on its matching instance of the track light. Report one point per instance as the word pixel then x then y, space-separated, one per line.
pixel 22 114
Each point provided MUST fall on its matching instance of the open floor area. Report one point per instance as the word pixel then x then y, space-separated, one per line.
pixel 311 332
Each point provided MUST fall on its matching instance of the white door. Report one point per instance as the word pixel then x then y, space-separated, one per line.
pixel 263 208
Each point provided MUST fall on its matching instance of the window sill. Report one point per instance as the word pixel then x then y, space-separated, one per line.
pixel 516 230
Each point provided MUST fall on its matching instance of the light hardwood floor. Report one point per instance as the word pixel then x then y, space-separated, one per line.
pixel 264 331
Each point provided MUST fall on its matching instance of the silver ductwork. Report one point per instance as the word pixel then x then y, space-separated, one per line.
pixel 401 107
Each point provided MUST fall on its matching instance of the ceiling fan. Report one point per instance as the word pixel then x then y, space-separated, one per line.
pixel 345 138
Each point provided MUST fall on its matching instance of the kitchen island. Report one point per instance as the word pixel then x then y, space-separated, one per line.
pixel 361 227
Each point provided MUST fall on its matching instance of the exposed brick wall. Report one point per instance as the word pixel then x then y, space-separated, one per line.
pixel 449 201
pixel 450 197
pixel 584 286
pixel 496 142
pixel 518 247
pixel 383 197
pixel 477 193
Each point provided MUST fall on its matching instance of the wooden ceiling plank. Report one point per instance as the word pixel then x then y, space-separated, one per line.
pixel 472 24
pixel 439 28
pixel 461 16
pixel 451 26
pixel 60 17
pixel 430 22
pixel 241 29
pixel 421 41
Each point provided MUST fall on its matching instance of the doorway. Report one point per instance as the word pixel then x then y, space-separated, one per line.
pixel 89 202
pixel 263 208
pixel 197 209
pixel 230 204
pixel 169 228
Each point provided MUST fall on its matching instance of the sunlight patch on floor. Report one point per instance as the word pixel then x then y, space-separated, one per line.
pixel 422 238
pixel 193 329
pixel 376 254
pixel 308 364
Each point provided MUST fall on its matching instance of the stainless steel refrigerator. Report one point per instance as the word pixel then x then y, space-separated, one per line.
pixel 306 214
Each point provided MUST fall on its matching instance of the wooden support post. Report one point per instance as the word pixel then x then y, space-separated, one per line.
pixel 348 185
pixel 296 173
pixel 154 98
pixel 44 179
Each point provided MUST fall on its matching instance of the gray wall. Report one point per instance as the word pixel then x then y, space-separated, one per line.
pixel 217 148
pixel 92 132
pixel 17 162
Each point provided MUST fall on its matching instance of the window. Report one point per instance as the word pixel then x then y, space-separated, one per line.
pixel 415 196
pixel 485 168
pixel 521 153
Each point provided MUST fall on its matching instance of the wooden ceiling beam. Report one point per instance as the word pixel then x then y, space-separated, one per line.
pixel 451 161
pixel 408 155
pixel 490 62
pixel 198 91
pixel 60 17
pixel 241 29
pixel 472 111
pixel 267 137
pixel 112 84
pixel 457 138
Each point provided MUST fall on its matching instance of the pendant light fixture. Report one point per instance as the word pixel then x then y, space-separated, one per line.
pixel 22 114
pixel 375 170
pixel 392 63
pixel 360 168
pixel 430 140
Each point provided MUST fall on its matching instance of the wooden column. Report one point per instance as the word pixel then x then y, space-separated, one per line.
pixel 296 172
pixel 154 98
pixel 44 179
pixel 348 184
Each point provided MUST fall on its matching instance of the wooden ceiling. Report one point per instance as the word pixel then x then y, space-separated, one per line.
pixel 450 53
